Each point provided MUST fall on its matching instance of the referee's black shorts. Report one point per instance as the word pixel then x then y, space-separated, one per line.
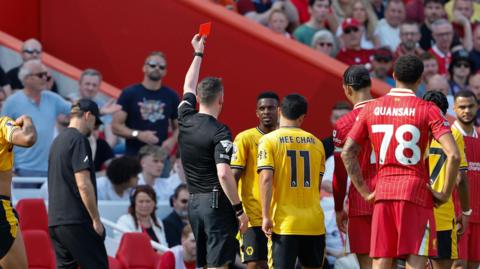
pixel 214 229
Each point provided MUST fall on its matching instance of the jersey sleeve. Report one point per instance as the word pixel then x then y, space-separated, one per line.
pixel 8 127
pixel 359 131
pixel 240 152
pixel 223 145
pixel 80 159
pixel 187 106
pixel 265 155
pixel 437 122
pixel 339 136
pixel 461 148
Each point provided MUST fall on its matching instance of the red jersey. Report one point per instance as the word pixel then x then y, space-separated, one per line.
pixel 472 146
pixel 351 57
pixel 399 126
pixel 357 206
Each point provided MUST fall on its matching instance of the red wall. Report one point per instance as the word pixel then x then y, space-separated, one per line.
pixel 20 18
pixel 115 38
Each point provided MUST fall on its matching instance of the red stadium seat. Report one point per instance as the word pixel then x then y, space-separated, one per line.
pixel 114 263
pixel 32 214
pixel 135 252
pixel 40 255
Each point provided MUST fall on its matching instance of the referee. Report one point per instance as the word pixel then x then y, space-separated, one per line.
pixel 206 148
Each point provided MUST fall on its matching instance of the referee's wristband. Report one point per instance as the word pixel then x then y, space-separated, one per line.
pixel 238 207
pixel 199 54
pixel 468 212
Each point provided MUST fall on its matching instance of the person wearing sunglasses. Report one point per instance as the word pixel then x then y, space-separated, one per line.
pixel 177 219
pixel 149 110
pixel 324 42
pixel 352 53
pixel 45 107
pixel 460 70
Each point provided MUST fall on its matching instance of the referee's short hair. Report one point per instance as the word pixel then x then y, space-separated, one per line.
pixel 408 69
pixel 357 77
pixel 294 106
pixel 208 90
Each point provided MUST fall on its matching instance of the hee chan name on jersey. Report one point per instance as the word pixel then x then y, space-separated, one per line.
pixel 298 140
pixel 395 111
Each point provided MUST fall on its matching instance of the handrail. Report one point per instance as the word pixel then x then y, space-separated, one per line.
pixel 114 226
pixel 29 179
pixel 57 64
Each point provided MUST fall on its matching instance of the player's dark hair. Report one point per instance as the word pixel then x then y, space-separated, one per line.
pixel 294 106
pixel 438 98
pixel 122 169
pixel 357 76
pixel 408 69
pixel 268 95
pixel 342 105
pixel 208 90
pixel 312 2
pixel 465 94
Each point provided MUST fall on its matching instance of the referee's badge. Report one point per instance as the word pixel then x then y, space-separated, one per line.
pixel 227 145
pixel 249 251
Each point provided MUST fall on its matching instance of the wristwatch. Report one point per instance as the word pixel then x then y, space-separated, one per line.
pixel 135 133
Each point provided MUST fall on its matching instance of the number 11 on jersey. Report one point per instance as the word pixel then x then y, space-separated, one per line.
pixel 292 154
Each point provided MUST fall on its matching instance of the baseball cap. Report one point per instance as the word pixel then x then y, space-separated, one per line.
pixel 350 22
pixel 87 105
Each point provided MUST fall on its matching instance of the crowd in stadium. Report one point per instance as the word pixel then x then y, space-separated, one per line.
pixel 135 149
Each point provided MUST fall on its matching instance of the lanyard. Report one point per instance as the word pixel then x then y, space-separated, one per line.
pixel 460 129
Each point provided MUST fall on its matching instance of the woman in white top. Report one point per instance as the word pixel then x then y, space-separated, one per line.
pixel 141 215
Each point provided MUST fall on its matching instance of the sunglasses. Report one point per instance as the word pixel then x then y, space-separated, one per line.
pixel 34 51
pixel 350 30
pixel 466 65
pixel 325 44
pixel 42 75
pixel 184 201
pixel 154 65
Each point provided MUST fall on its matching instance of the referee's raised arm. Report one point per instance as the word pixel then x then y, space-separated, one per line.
pixel 191 78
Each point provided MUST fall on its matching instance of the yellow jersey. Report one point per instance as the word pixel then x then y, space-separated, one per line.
pixel 7 127
pixel 245 158
pixel 444 214
pixel 297 159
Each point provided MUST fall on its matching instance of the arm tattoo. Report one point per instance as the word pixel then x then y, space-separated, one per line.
pixel 350 160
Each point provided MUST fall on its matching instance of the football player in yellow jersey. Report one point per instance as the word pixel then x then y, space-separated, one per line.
pixel 20 132
pixel 253 243
pixel 291 163
pixel 445 214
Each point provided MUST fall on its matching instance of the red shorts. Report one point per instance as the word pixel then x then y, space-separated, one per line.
pixel 402 228
pixel 359 233
pixel 469 243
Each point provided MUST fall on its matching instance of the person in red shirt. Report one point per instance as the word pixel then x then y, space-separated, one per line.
pixel 356 84
pixel 442 32
pixel 399 126
pixel 351 36
pixel 182 256
pixel 465 107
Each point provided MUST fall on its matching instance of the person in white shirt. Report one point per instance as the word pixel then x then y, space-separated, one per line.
pixel 181 256
pixel 141 215
pixel 122 175
pixel 387 32
pixel 152 159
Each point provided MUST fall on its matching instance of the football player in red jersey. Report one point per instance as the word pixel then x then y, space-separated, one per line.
pixel 399 126
pixel 356 84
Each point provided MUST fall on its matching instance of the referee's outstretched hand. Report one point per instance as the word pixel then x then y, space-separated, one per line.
pixel 198 43
pixel 243 221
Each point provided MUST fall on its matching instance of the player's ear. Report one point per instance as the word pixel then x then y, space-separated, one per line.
pixel 300 119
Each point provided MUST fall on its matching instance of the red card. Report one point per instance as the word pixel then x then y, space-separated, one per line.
pixel 205 29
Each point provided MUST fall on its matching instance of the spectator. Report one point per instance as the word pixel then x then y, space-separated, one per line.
pixel 409 38
pixel 352 53
pixel 319 19
pixel 4 84
pixel 176 220
pixel 260 10
pixel 379 8
pixel 152 158
pixel 430 68
pixel 88 87
pixel 278 23
pixel 450 7
pixel 462 14
pixel 460 70
pixel 122 175
pixel 388 28
pixel 148 110
pixel 381 66
pixel 475 52
pixel 342 9
pixel 474 85
pixel 31 50
pixel 44 107
pixel 101 150
pixel 324 42
pixel 363 13
pixel 141 215
pixel 433 11
pixel 440 83
pixel 181 256
pixel 442 32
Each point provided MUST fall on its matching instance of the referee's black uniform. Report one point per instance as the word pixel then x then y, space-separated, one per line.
pixel 205 142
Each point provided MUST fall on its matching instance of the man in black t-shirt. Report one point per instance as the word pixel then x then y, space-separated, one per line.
pixel 74 223
pixel 206 149
pixel 148 109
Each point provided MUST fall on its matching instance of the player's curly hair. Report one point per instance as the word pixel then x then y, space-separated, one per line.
pixel 408 69
pixel 438 98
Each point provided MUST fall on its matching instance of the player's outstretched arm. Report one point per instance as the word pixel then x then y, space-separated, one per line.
pixel 350 160
pixel 191 79
pixel 450 148
pixel 26 135
pixel 266 179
